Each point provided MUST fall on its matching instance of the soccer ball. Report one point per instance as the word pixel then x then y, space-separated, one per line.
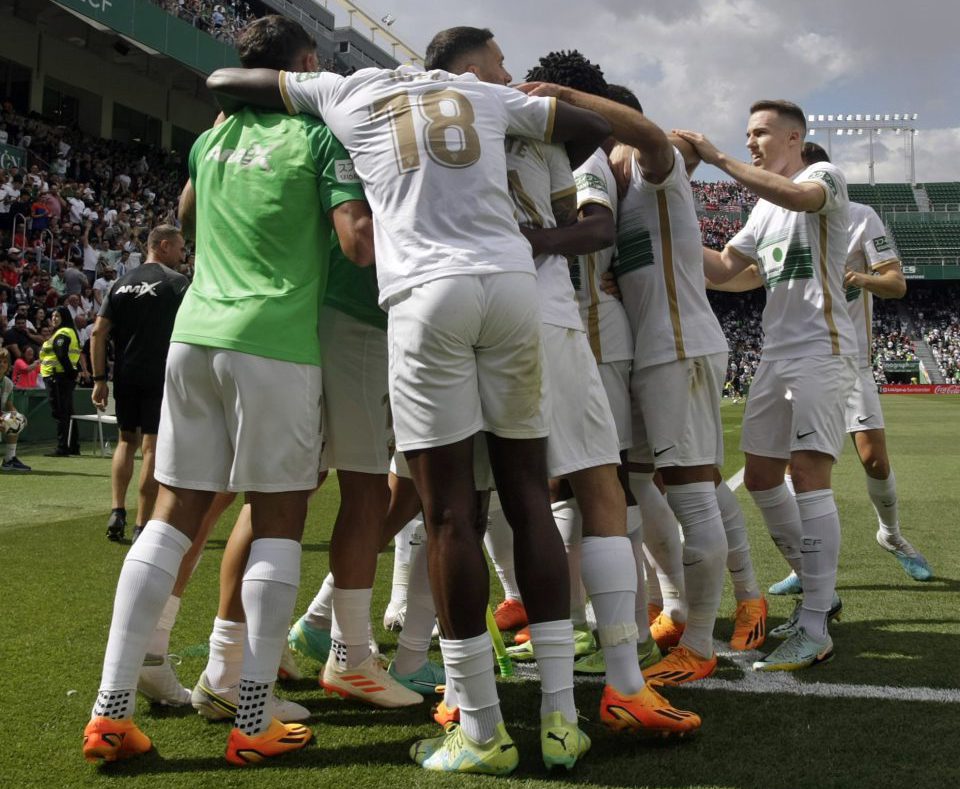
pixel 12 423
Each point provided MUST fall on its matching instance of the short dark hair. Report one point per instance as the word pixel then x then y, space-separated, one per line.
pixel 160 234
pixel 813 153
pixel 782 107
pixel 625 96
pixel 449 45
pixel 570 69
pixel 273 41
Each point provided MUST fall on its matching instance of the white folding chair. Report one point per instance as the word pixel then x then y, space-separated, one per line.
pixel 106 417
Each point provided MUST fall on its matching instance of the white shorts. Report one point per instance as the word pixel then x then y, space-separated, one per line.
pixel 582 431
pixel 676 412
pixel 358 426
pixel 465 357
pixel 798 405
pixel 616 383
pixel 238 422
pixel 863 406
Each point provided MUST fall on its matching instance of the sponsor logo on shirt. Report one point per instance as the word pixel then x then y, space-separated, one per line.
pixel 255 156
pixel 828 179
pixel 881 244
pixel 590 181
pixel 345 172
pixel 143 289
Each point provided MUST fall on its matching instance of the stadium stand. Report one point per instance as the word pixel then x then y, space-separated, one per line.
pixel 223 21
pixel 944 195
pixel 884 197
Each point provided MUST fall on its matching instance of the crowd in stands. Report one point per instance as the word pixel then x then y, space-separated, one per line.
pixel 938 322
pixel 739 316
pixel 223 20
pixel 718 230
pixel 72 220
pixel 723 195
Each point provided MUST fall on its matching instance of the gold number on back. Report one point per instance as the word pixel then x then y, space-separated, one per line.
pixel 450 139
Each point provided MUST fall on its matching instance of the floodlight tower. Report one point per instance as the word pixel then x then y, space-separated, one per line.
pixel 846 123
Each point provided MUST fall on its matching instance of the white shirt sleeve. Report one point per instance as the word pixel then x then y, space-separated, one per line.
pixel 744 244
pixel 527 116
pixel 592 184
pixel 309 92
pixel 562 183
pixel 833 183
pixel 877 248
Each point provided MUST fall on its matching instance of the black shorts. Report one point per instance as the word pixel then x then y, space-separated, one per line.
pixel 138 407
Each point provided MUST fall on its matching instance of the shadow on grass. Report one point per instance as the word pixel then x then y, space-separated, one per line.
pixel 43 473
pixel 935 584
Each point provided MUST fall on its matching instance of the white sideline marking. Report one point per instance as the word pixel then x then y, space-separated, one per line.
pixel 783 683
pixel 736 480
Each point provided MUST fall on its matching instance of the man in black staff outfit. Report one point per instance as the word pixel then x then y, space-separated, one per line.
pixel 138 313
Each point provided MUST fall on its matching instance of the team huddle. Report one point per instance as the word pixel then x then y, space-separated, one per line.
pixel 539 279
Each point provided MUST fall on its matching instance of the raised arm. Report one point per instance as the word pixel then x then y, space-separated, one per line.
pixel 654 152
pixel 582 131
pixel 807 196
pixel 235 87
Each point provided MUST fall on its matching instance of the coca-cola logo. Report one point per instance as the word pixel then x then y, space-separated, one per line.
pixel 946 389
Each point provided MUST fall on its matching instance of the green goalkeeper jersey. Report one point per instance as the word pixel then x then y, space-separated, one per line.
pixel 265 183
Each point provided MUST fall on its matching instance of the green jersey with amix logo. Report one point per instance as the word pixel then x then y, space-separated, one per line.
pixel 265 183
pixel 353 290
pixel 801 259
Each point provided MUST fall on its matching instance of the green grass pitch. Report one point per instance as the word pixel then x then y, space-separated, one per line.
pixel 59 574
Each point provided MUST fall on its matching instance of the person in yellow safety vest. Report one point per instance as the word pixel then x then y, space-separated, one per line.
pixel 60 362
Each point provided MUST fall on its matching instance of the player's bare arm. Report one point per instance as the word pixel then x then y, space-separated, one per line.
pixel 807 196
pixel 581 131
pixel 748 279
pixel 354 225
pixel 653 150
pixel 595 230
pixel 98 359
pixel 257 86
pixel 721 267
pixel 187 210
pixel 886 282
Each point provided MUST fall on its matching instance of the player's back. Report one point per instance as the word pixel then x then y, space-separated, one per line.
pixel 429 148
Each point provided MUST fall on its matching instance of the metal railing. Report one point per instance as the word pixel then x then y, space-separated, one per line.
pixel 13 227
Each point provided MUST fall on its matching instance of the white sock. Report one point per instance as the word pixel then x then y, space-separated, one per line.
pixel 883 494
pixel 821 552
pixel 350 634
pixel 739 561
pixel 402 554
pixel 498 541
pixel 635 535
pixel 269 593
pixel 319 615
pixel 146 579
pixel 779 510
pixel 11 450
pixel 553 647
pixel 450 697
pixel 704 560
pixel 413 644
pixel 788 481
pixel 160 639
pixel 661 535
pixel 469 666
pixel 610 576
pixel 654 595
pixel 226 654
pixel 566 514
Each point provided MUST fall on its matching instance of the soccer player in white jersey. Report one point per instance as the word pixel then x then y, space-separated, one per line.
pixel 679 364
pixel 797 236
pixel 583 446
pixel 459 281
pixel 873 269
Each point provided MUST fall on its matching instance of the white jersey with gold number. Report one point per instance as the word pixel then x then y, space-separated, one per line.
pixel 868 249
pixel 429 148
pixel 659 270
pixel 603 316
pixel 538 175
pixel 801 257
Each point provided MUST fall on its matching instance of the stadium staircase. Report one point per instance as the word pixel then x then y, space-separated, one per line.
pixel 924 354
pixel 923 200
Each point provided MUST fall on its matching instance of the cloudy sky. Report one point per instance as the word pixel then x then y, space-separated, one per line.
pixel 699 64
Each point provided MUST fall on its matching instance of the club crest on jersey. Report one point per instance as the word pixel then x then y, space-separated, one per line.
pixel 255 156
pixel 143 289
pixel 828 179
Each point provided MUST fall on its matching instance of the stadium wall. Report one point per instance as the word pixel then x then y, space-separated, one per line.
pixel 98 83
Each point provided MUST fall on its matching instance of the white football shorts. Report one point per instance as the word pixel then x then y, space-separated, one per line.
pixel 798 405
pixel 676 412
pixel 358 424
pixel 238 422
pixel 464 357
pixel 616 383
pixel 863 406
